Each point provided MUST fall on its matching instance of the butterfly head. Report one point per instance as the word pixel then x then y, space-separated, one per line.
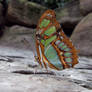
pixel 46 18
pixel 50 14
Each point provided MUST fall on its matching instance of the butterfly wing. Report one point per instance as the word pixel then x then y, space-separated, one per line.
pixel 54 49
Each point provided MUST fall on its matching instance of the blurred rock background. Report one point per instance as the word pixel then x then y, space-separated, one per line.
pixel 18 21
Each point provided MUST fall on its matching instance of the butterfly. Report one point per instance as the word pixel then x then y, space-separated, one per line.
pixel 54 49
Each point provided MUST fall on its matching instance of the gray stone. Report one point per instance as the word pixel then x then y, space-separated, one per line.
pixel 18 37
pixel 82 36
pixel 81 74
pixel 32 83
pixel 69 80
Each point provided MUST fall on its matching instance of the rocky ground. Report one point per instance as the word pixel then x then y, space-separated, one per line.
pixel 20 73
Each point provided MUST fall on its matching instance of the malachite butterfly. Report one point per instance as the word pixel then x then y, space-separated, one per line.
pixel 54 49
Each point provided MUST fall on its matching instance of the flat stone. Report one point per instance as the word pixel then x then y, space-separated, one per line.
pixel 24 83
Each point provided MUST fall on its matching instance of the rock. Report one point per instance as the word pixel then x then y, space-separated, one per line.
pixel 82 36
pixel 68 80
pixel 81 74
pixel 70 15
pixel 18 37
pixel 24 13
pixel 20 73
pixel 26 83
pixel 85 6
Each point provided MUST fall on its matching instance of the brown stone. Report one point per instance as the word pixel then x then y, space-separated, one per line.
pixel 24 13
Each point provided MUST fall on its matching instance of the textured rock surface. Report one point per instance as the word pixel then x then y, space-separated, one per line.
pixel 70 15
pixel 81 74
pixel 82 36
pixel 26 83
pixel 20 73
pixel 85 6
pixel 18 37
pixel 28 76
pixel 23 12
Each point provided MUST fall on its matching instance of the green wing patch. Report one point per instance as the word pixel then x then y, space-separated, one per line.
pixel 44 23
pixel 50 31
pixel 52 56
pixel 48 41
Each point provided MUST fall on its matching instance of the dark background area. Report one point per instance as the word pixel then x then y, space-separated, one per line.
pixel 52 3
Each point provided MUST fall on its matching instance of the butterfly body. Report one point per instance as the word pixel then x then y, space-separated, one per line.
pixel 54 49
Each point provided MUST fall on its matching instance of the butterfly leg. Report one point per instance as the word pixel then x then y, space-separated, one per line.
pixel 36 58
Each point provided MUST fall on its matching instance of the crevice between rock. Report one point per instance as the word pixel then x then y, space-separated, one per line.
pixel 28 72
